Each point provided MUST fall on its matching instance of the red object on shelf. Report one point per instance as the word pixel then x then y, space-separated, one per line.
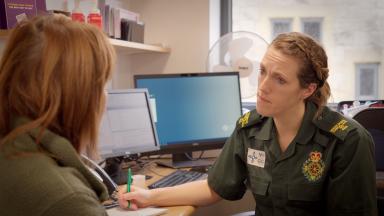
pixel 95 19
pixel 78 17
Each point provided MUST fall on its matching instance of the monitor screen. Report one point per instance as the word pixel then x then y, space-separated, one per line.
pixel 193 112
pixel 127 126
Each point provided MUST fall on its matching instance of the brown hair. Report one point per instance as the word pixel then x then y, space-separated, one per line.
pixel 53 72
pixel 314 68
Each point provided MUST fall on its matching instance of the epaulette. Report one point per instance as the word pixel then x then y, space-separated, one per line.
pixel 334 123
pixel 248 119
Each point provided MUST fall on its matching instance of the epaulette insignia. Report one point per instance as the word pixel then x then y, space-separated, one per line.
pixel 243 121
pixel 341 125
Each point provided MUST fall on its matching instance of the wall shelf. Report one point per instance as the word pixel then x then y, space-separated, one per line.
pixel 125 47
pixel 133 47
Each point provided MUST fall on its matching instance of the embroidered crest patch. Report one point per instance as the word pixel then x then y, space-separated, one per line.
pixel 313 167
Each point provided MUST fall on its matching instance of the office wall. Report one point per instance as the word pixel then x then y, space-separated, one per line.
pixel 182 25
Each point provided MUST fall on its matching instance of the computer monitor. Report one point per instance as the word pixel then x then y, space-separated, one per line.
pixel 193 112
pixel 127 126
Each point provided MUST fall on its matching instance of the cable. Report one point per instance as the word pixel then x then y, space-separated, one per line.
pixel 194 159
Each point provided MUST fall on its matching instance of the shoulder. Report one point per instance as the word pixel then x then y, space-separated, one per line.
pixel 249 119
pixel 42 182
pixel 336 124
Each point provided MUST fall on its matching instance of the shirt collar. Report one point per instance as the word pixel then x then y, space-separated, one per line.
pixel 264 132
pixel 307 128
pixel 304 135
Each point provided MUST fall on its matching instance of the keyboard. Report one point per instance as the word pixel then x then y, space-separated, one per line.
pixel 178 177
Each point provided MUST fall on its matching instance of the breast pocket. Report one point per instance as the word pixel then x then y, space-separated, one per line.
pixel 258 182
pixel 259 185
pixel 305 196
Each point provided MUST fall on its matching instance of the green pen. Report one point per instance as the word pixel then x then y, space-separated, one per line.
pixel 129 182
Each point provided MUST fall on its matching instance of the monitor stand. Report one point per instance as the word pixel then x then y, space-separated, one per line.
pixel 182 161
pixel 113 166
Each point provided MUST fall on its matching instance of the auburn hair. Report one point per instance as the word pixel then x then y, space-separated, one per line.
pixel 53 71
pixel 314 67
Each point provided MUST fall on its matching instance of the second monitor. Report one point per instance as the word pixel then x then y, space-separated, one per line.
pixel 192 112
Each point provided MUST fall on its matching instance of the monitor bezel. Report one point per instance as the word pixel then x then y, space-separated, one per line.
pixel 200 145
pixel 135 151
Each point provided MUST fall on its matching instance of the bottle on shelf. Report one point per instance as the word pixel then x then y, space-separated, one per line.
pixel 94 17
pixel 77 14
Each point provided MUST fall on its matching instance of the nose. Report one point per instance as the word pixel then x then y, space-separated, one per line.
pixel 263 84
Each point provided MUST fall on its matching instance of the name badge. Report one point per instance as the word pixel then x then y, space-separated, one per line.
pixel 256 157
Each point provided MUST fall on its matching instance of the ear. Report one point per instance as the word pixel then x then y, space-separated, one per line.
pixel 309 90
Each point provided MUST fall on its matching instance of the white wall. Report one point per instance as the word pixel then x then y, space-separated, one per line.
pixel 181 25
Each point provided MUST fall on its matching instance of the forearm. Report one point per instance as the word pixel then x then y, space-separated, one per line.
pixel 196 193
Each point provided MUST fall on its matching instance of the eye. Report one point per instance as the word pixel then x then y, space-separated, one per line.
pixel 262 71
pixel 281 80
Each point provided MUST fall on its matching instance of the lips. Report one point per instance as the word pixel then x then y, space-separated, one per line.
pixel 260 98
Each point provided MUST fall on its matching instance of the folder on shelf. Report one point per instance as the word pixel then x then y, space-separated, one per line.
pixel 132 31
pixel 118 15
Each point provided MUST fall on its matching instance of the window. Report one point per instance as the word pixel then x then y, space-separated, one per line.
pixel 312 26
pixel 280 25
pixel 366 81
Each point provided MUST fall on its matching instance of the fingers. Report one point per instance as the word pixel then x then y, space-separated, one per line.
pixel 123 189
pixel 124 198
pixel 124 205
pixel 129 196
pixel 138 197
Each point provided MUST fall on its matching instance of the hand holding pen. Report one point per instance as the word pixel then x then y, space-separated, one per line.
pixel 133 197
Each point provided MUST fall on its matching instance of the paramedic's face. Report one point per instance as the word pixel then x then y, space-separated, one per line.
pixel 278 84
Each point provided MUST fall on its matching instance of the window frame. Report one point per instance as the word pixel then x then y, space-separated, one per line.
pixel 274 20
pixel 225 17
pixel 319 20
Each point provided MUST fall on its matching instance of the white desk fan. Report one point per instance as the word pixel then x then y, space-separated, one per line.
pixel 239 51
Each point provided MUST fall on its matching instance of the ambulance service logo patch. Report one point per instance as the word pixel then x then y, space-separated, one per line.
pixel 313 167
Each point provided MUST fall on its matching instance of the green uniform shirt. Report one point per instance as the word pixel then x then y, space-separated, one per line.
pixel 46 179
pixel 328 169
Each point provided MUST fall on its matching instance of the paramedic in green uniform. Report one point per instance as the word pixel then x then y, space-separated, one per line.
pixel 296 155
pixel 52 76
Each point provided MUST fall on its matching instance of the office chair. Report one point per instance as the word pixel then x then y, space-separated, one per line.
pixel 373 120
pixel 349 103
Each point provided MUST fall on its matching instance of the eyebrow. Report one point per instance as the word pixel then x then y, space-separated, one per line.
pixel 278 73
pixel 275 73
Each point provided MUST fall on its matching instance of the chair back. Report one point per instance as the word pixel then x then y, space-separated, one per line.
pixel 373 120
